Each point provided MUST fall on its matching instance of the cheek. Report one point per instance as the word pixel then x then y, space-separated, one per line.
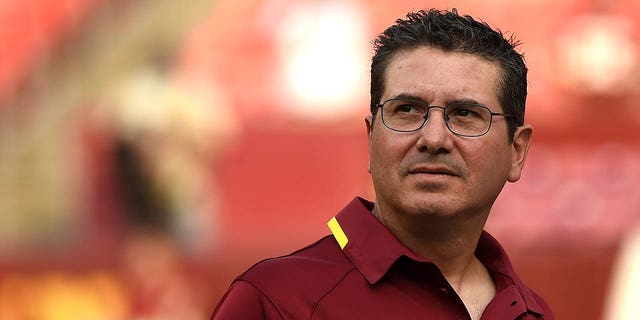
pixel 502 157
pixel 385 154
pixel 488 161
pixel 378 152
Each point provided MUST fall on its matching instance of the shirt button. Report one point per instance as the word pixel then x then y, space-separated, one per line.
pixel 444 291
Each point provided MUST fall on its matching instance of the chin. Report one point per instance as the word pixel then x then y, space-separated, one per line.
pixel 428 206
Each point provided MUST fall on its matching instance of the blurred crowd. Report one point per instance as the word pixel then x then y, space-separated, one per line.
pixel 150 149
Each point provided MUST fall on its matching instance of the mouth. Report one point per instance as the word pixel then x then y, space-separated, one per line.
pixel 432 170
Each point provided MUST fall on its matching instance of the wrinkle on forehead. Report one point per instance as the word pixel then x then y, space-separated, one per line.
pixel 438 76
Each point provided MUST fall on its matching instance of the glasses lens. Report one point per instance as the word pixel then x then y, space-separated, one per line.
pixel 408 115
pixel 403 115
pixel 468 120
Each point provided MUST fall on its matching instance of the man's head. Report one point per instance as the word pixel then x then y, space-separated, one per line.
pixel 451 32
pixel 448 72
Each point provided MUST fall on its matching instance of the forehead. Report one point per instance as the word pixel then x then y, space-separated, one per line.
pixel 438 76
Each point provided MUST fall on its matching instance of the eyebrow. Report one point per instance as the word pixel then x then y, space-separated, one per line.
pixel 453 102
pixel 408 96
pixel 465 102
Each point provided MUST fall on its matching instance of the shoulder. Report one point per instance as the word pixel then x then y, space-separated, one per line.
pixel 294 283
pixel 318 262
pixel 243 301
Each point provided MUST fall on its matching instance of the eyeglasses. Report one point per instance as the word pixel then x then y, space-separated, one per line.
pixel 463 119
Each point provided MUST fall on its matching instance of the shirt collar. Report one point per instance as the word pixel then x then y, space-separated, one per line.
pixel 494 257
pixel 367 242
pixel 373 248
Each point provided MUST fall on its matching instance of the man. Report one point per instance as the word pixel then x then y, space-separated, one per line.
pixel 446 132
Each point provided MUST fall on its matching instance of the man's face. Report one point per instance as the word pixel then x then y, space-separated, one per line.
pixel 433 171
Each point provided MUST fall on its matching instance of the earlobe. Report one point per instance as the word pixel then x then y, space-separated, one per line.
pixel 519 149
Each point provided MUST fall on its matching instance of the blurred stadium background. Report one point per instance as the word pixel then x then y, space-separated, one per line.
pixel 151 150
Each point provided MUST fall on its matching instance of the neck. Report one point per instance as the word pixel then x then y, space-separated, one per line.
pixel 449 241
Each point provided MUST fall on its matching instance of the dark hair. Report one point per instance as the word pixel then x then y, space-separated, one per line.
pixel 448 31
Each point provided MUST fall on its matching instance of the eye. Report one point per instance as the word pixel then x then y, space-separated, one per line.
pixel 460 112
pixel 406 107
pixel 465 112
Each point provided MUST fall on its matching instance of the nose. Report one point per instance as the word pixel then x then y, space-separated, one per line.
pixel 435 135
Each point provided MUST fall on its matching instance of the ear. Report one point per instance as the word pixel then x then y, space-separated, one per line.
pixel 369 122
pixel 519 149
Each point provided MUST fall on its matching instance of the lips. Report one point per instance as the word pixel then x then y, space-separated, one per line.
pixel 433 169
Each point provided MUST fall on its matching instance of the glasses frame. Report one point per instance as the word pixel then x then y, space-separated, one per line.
pixel 444 115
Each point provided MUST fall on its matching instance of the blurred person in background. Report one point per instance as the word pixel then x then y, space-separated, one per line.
pixel 446 132
pixel 166 134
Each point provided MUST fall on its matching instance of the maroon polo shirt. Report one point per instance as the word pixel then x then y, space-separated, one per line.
pixel 362 271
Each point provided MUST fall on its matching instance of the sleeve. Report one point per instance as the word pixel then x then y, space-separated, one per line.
pixel 244 301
